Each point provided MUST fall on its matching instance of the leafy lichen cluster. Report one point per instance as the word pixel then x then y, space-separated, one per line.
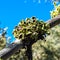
pixel 31 28
pixel 56 10
pixel 2 42
pixel 2 38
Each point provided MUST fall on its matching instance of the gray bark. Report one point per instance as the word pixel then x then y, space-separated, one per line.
pixel 54 21
pixel 13 48
pixel 10 50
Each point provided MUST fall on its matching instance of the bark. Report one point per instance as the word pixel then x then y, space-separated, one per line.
pixel 13 48
pixel 10 50
pixel 54 21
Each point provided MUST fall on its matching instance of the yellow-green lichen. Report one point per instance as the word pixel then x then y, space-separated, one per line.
pixel 56 10
pixel 30 27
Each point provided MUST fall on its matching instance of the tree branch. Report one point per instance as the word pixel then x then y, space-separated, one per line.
pixel 10 50
pixel 54 21
pixel 13 48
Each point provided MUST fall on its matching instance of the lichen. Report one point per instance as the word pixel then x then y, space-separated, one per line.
pixel 31 27
pixel 56 11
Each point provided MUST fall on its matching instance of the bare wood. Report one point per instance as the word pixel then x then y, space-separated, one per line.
pixel 10 50
pixel 13 48
pixel 54 21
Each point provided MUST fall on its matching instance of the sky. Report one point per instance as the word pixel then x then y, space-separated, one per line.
pixel 13 11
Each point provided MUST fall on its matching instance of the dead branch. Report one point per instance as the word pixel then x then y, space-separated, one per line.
pixel 13 48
